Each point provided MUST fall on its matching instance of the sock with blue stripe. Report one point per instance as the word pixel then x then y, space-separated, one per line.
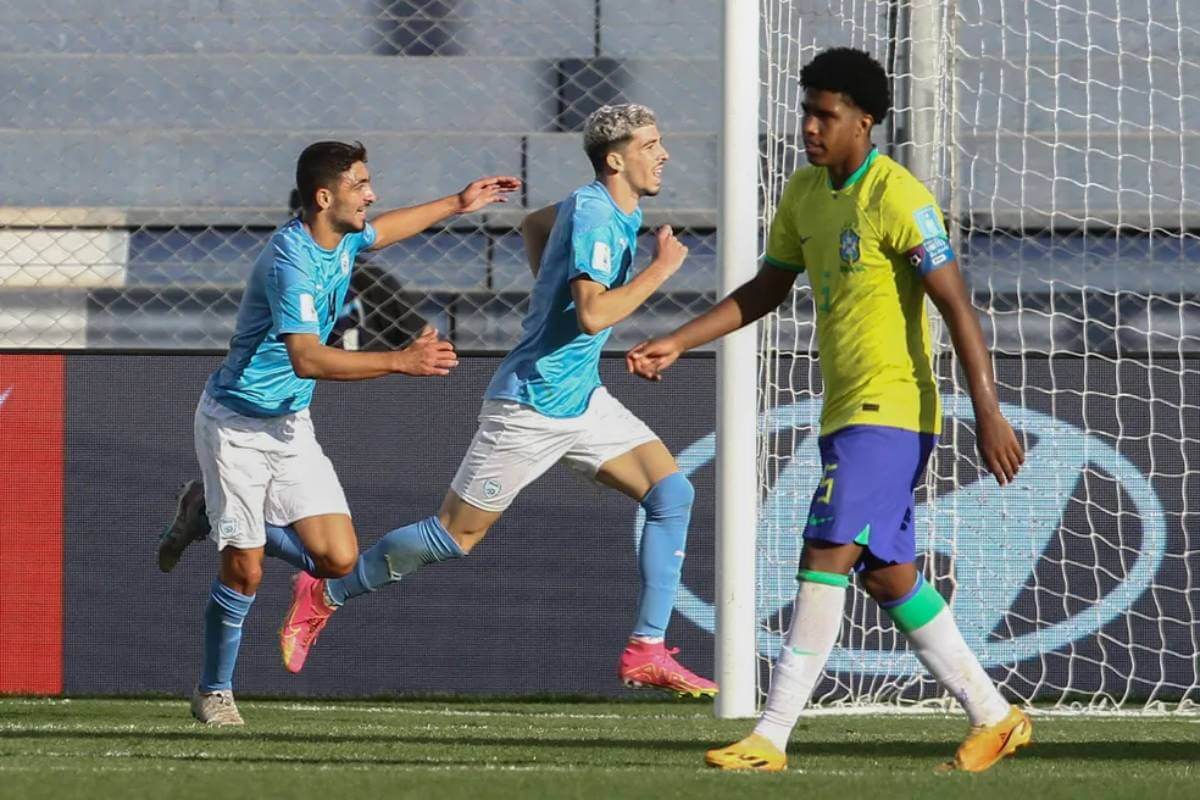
pixel 925 619
pixel 816 622
pixel 400 552
pixel 284 543
pixel 223 618
pixel 668 507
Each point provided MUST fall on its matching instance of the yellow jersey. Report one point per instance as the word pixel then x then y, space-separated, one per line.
pixel 865 248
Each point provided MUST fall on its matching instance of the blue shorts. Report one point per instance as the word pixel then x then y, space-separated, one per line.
pixel 866 491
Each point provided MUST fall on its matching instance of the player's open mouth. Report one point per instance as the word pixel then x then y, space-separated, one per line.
pixel 658 171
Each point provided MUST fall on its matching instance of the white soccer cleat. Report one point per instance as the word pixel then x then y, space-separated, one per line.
pixel 216 708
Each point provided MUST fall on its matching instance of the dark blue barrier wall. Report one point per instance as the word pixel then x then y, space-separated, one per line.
pixel 1098 578
pixel 543 605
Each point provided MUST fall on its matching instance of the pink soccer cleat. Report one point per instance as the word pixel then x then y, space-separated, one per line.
pixel 305 619
pixel 645 665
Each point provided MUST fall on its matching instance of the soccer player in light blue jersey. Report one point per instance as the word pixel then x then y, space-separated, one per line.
pixel 267 485
pixel 546 404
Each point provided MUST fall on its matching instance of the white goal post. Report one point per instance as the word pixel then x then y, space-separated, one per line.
pixel 1060 137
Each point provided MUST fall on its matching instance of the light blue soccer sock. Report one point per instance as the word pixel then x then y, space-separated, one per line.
pixel 400 552
pixel 284 543
pixel 223 617
pixel 668 507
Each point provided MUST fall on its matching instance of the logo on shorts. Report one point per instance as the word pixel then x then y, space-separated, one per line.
pixel 491 488
pixel 228 527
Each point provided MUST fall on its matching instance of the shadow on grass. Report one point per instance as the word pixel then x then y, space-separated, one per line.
pixel 1164 750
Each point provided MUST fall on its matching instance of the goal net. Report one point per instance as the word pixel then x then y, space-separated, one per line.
pixel 1060 139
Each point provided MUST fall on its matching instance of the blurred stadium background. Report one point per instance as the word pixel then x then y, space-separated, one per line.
pixel 148 152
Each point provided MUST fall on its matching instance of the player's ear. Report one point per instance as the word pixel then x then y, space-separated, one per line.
pixel 324 199
pixel 614 161
pixel 864 123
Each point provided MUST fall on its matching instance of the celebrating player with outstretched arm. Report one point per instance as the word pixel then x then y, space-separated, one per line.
pixel 267 484
pixel 546 404
pixel 873 244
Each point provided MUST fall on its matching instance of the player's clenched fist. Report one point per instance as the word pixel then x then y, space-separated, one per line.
pixel 427 355
pixel 668 250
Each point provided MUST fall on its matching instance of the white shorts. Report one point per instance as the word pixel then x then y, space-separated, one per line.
pixel 515 445
pixel 259 471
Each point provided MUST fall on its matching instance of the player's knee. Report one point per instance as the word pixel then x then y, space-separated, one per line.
pixel 888 588
pixel 243 576
pixel 672 496
pixel 338 563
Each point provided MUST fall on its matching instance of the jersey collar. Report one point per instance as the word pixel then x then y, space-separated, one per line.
pixel 632 219
pixel 855 176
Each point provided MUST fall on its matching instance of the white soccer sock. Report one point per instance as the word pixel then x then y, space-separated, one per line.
pixel 941 648
pixel 816 621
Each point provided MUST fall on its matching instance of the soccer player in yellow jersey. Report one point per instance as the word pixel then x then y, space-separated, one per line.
pixel 873 244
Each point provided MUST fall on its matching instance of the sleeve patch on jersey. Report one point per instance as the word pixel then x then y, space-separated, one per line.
pixel 931 254
pixel 928 222
pixel 308 308
pixel 601 257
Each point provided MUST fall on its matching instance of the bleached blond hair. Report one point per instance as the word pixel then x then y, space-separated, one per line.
pixel 610 126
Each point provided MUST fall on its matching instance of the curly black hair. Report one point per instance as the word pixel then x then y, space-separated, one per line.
pixel 855 74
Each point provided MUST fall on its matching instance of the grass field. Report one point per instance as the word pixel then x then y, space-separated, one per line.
pixel 464 749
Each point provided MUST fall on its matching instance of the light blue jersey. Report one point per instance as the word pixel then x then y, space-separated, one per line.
pixel 296 286
pixel 555 367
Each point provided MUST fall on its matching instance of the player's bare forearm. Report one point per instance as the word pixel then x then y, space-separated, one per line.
pixel 994 437
pixel 400 223
pixel 751 301
pixel 321 362
pixel 948 291
pixel 535 232
pixel 748 303
pixel 599 308
pixel 427 355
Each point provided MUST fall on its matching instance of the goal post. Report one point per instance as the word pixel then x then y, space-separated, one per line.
pixel 1060 139
pixel 737 366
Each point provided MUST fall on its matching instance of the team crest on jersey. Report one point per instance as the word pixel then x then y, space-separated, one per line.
pixel 848 249
pixel 345 263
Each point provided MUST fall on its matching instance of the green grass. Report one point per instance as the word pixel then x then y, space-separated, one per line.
pixel 464 749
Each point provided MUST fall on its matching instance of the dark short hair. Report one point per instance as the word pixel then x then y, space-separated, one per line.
pixel 854 74
pixel 321 165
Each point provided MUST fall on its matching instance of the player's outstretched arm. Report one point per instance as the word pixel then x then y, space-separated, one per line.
pixel 997 442
pixel 427 355
pixel 599 307
pixel 751 301
pixel 535 232
pixel 400 223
